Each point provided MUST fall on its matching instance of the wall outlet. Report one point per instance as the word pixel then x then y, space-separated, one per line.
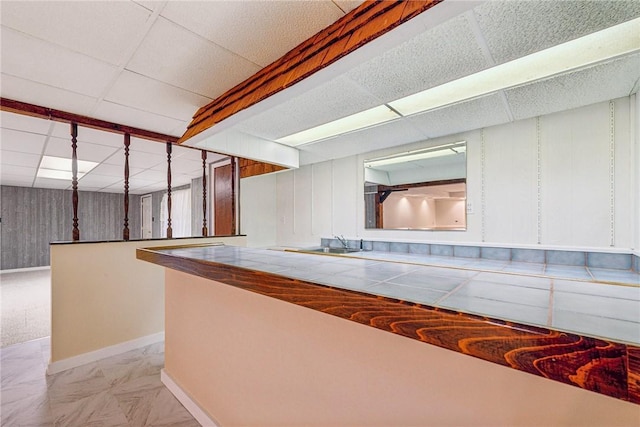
pixel 469 207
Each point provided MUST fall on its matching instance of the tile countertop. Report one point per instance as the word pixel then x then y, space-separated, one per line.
pixel 565 308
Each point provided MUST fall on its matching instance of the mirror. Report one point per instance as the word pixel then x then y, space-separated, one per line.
pixel 423 189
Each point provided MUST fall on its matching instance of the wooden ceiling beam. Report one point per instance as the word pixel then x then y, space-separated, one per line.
pixel 364 23
pixel 38 111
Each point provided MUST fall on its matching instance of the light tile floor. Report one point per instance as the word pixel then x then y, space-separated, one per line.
pixel 591 301
pixel 123 390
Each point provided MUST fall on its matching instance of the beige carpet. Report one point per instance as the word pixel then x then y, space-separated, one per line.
pixel 25 306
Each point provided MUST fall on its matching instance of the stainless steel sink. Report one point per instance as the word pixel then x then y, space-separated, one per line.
pixel 331 250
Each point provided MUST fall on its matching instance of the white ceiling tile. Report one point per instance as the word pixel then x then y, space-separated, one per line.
pixel 19 159
pixel 46 63
pixel 155 97
pixel 115 188
pixel 516 28
pixel 333 100
pixel 486 111
pixel 439 55
pixel 114 170
pixel 52 183
pixel 87 188
pixel 151 188
pixel 259 31
pixel 141 182
pixel 180 179
pixel 24 142
pixel 180 129
pixel 99 181
pixel 106 27
pixel 47 96
pixel 611 80
pixel 126 115
pixel 373 138
pixel 59 147
pixel 85 134
pixel 205 67
pixel 143 161
pixel 16 181
pixel 145 146
pixel 151 175
pixel 185 166
pixel 24 123
pixel 186 153
pixel 150 4
pixel 19 171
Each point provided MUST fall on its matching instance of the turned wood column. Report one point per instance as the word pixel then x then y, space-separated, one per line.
pixel 169 230
pixel 74 180
pixel 234 161
pixel 125 231
pixel 205 231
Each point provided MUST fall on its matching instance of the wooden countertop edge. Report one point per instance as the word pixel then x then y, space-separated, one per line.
pixel 598 365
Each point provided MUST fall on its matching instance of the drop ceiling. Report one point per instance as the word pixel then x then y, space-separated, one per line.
pixel 146 64
pixel 153 64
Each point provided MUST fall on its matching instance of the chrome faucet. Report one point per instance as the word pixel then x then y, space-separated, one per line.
pixel 343 241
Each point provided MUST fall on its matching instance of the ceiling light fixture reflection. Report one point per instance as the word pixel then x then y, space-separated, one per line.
pixel 427 153
pixel 61 168
pixel 361 120
pixel 604 45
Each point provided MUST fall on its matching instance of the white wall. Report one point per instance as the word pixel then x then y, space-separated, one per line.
pixel 540 182
pixel 635 116
pixel 408 212
pixel 258 210
pixel 102 296
pixel 450 213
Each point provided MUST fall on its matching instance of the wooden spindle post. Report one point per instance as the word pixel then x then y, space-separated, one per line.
pixel 127 142
pixel 169 230
pixel 233 194
pixel 74 180
pixel 205 231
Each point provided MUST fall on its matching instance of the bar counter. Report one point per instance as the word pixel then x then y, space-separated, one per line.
pixel 603 366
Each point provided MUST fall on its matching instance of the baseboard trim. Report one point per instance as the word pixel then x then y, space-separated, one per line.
pixel 183 397
pixel 25 269
pixel 92 356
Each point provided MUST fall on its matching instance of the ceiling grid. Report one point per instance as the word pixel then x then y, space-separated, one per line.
pixel 150 65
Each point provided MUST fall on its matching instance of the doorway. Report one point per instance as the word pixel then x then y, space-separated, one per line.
pixel 147 217
pixel 224 200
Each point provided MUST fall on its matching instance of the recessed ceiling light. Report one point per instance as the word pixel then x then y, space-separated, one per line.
pixel 61 168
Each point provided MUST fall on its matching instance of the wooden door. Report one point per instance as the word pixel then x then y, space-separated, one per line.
pixel 224 206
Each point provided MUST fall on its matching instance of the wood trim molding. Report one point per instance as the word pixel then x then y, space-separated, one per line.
pixel 250 167
pixel 38 111
pixel 366 22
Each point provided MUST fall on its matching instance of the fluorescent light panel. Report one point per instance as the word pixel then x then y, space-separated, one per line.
pixel 597 47
pixel 591 49
pixel 61 168
pixel 439 151
pixel 367 118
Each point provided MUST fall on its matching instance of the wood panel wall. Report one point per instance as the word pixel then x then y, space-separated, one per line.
pixel 252 168
pixel 33 217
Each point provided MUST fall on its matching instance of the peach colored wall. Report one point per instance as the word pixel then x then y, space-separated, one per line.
pixel 251 360
pixel 101 295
